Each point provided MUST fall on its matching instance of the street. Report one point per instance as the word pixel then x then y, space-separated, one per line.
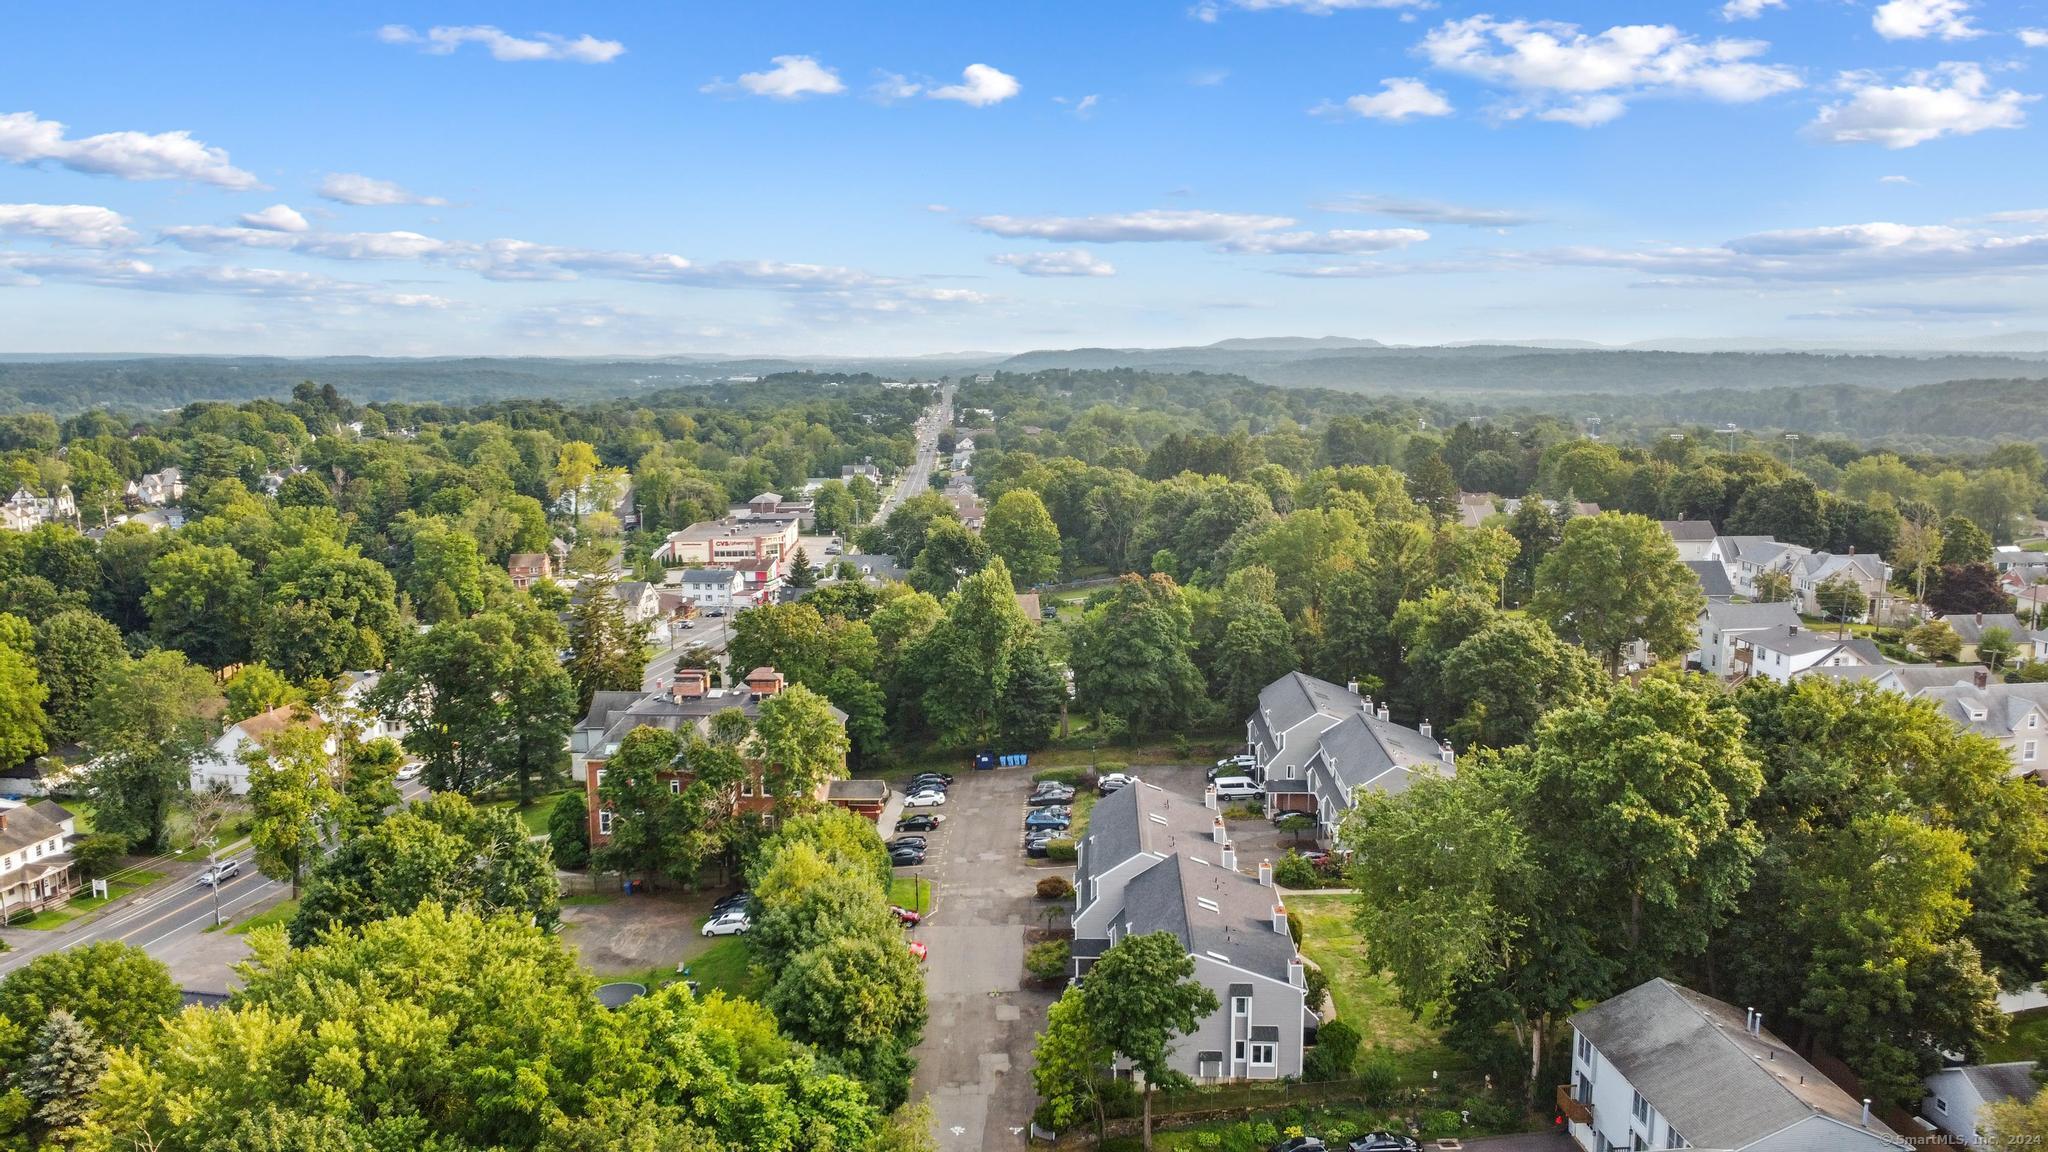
pixel 711 632
pixel 917 477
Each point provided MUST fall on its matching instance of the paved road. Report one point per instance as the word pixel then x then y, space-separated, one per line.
pixel 167 915
pixel 711 633
pixel 975 1062
pixel 918 476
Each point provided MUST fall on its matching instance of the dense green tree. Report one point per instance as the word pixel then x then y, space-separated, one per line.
pixel 1789 510
pixel 74 650
pixel 118 990
pixel 569 831
pixel 151 717
pixel 447 578
pixel 24 725
pixel 61 1071
pixel 800 744
pixel 1021 532
pixel 859 1000
pixel 1963 542
pixel 1936 640
pixel 802 573
pixel 485 701
pixel 369 782
pixel 1616 579
pixel 200 602
pixel 963 663
pixel 1996 647
pixel 1069 1062
pixel 324 610
pixel 1498 682
pixel 291 798
pixel 651 828
pixel 440 851
pixel 805 896
pixel 1431 485
pixel 951 554
pixel 254 688
pixel 607 649
pixel 910 522
pixel 1132 657
pixel 1034 697
pixel 1142 996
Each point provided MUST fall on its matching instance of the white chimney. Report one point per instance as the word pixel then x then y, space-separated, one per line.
pixel 1866 1111
pixel 1228 857
pixel 1216 831
pixel 1748 1019
pixel 1383 712
pixel 1351 686
pixel 1423 728
pixel 1266 873
pixel 1280 919
pixel 1757 1028
pixel 1449 757
pixel 1209 798
pixel 1298 977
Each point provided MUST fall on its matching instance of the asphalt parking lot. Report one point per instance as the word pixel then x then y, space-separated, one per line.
pixel 975 1062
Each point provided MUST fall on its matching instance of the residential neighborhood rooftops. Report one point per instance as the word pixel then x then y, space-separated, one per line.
pixel 1692 1058
pixel 1289 703
pixel 1734 617
pixel 1713 578
pixel 1996 1082
pixel 1692 531
pixel 1971 625
pixel 1365 751
pixel 1141 819
pixel 1215 912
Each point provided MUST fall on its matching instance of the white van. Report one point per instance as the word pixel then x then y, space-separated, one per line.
pixel 1238 788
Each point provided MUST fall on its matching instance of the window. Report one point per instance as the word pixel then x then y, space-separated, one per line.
pixel 1941 1105
pixel 675 787
pixel 746 786
pixel 1585 1050
pixel 1241 1005
pixel 1639 1107
pixel 1238 1051
pixel 1265 1055
pixel 1672 1139
pixel 604 823
pixel 2027 750
pixel 2033 719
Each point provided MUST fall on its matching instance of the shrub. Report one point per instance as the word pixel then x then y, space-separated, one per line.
pixel 1294 871
pixel 1294 928
pixel 1055 888
pixel 1336 1048
pixel 1208 1139
pixel 97 854
pixel 569 831
pixel 1063 775
pixel 1109 766
pixel 1048 960
pixel 1181 748
pixel 1440 1123
pixel 1318 985
pixel 1377 1079
pixel 1061 849
pixel 1263 1133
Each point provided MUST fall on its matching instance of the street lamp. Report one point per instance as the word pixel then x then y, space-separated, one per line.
pixel 1731 430
pixel 1792 446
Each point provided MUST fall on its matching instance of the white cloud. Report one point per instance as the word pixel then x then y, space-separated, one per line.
pixel 1153 224
pixel 1209 77
pixel 276 218
pixel 1083 108
pixel 1830 254
pixel 1070 262
pixel 893 88
pixel 79 225
pixel 980 86
pixel 792 78
pixel 208 279
pixel 27 139
pixel 1894 179
pixel 1429 211
pixel 1747 9
pixel 1949 100
pixel 1399 98
pixel 366 192
pixel 2033 37
pixel 1919 19
pixel 1575 78
pixel 1340 242
pixel 445 39
pixel 331 245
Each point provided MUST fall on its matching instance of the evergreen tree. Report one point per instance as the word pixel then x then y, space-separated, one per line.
pixel 61 1071
pixel 607 649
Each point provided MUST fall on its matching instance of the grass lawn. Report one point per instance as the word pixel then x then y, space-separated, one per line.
pixel 81 809
pixel 1367 999
pixel 912 892
pixel 46 919
pixel 2026 1038
pixel 588 899
pixel 80 905
pixel 533 816
pixel 726 966
pixel 276 914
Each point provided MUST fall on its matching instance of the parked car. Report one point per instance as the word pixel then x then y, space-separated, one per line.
pixel 1050 799
pixel 737 902
pixel 1112 782
pixel 924 800
pixel 1385 1142
pixel 917 950
pixel 1035 847
pixel 917 842
pixel 1238 788
pixel 225 870
pixel 411 771
pixel 1241 760
pixel 927 784
pixel 716 612
pixel 941 777
pixel 920 822
pixel 1048 820
pixel 905 916
pixel 1052 786
pixel 733 923
pixel 899 857
pixel 1298 1144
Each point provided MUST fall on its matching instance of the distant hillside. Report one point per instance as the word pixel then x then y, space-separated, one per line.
pixel 1502 370
pixel 1292 343
pixel 1954 415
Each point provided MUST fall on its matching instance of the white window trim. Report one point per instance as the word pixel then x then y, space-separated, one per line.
pixel 1272 1050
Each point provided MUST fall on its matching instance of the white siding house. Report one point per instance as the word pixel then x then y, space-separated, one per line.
pixel 1956 1097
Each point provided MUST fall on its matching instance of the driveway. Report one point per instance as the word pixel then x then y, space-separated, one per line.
pixel 632 933
pixel 975 1062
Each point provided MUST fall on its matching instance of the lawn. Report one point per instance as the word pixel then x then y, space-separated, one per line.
pixel 2026 1038
pixel 1367 999
pixel 80 905
pixel 275 914
pixel 726 966
pixel 912 892
pixel 533 816
pixel 588 899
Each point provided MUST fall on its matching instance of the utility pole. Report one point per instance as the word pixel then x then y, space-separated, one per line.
pixel 213 854
pixel 1731 430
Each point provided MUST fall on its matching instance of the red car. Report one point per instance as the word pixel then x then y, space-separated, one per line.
pixel 906 917
pixel 917 949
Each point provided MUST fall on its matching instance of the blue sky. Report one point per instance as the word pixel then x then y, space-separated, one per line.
pixel 919 177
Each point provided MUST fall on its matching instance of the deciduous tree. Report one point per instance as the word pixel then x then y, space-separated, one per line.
pixel 1615 579
pixel 1141 995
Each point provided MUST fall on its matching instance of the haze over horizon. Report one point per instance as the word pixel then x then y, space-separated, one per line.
pixel 521 179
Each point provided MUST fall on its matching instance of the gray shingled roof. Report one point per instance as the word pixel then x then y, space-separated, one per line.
pixel 1169 897
pixel 1366 751
pixel 1689 1056
pixel 1970 626
pixel 1713 578
pixel 1741 617
pixel 1140 818
pixel 1996 1082
pixel 1290 701
pixel 1691 531
pixel 1794 640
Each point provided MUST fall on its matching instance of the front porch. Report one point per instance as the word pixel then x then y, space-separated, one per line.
pixel 37 885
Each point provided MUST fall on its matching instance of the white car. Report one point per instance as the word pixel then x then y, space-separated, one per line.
pixel 925 800
pixel 223 871
pixel 410 771
pixel 728 924
pixel 1241 760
